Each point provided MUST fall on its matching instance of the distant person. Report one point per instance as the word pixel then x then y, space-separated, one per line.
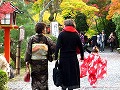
pixel 98 39
pixel 112 41
pixel 82 38
pixel 86 45
pixel 86 40
pixel 39 50
pixel 67 42
pixel 94 40
pixel 102 41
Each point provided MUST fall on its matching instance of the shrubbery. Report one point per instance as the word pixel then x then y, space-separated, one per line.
pixel 52 37
pixel 3 80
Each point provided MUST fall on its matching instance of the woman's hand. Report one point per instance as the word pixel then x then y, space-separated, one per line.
pixel 27 67
pixel 27 64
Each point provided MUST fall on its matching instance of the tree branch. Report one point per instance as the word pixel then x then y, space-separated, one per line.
pixel 42 12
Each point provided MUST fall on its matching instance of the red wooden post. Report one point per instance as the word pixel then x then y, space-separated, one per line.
pixel 7 43
pixel 7 29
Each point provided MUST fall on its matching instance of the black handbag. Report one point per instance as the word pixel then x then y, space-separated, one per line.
pixel 57 77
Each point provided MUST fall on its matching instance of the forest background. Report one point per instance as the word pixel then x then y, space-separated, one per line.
pixel 91 17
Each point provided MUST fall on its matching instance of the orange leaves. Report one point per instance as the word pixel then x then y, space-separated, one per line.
pixel 114 8
pixel 85 1
pixel 115 1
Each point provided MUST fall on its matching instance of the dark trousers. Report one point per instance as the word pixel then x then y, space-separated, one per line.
pixel 102 46
pixel 111 46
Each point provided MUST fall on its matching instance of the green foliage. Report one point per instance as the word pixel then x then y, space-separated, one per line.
pixel 3 80
pixel 110 27
pixel 52 37
pixel 101 22
pixel 12 64
pixel 81 24
pixel 1 41
pixel 90 33
pixel 104 24
pixel 116 20
pixel 38 6
pixel 29 31
pixel 23 49
pixel 1 36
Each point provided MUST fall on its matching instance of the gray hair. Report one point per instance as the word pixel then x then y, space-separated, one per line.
pixel 69 22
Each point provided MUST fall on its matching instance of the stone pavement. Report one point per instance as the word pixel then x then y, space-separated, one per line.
pixel 110 82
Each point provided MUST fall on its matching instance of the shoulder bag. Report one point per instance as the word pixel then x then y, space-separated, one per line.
pixel 57 76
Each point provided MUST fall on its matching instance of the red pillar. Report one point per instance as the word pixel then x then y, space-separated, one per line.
pixel 6 29
pixel 7 43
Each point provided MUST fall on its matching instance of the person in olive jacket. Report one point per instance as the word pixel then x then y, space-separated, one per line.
pixel 68 41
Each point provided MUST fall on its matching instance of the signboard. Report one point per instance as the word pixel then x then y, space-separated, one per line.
pixel 22 33
pixel 54 29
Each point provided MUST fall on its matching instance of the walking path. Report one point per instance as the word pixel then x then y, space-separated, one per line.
pixel 110 82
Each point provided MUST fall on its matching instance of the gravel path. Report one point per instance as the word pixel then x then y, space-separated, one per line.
pixel 110 82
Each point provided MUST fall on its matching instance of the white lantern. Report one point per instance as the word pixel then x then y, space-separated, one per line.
pixel 10 19
pixel 6 20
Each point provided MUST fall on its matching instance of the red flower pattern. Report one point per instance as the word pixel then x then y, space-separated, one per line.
pixel 94 67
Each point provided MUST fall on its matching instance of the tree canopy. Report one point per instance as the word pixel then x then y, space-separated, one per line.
pixel 114 8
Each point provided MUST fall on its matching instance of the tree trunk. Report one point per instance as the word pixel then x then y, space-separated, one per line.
pixel 44 9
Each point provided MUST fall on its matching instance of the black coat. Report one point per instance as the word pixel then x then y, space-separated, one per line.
pixel 67 43
pixel 94 40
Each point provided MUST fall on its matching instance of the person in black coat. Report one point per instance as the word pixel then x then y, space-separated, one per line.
pixel 68 41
